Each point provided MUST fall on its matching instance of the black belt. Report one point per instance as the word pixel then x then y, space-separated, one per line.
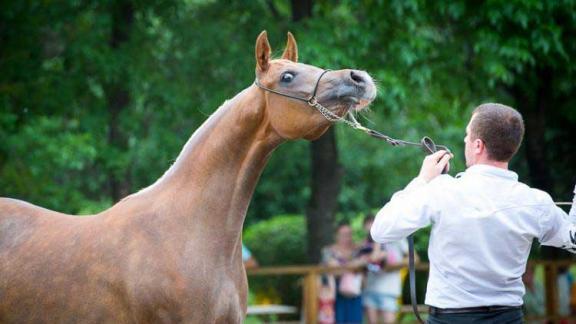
pixel 483 309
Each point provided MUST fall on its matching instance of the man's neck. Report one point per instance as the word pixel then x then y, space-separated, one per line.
pixel 497 164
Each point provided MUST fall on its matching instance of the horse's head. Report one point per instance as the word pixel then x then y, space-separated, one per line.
pixel 338 91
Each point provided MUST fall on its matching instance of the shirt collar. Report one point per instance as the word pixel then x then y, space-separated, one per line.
pixel 489 170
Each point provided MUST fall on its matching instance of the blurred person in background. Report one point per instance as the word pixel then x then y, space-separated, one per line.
pixel 326 299
pixel 344 252
pixel 564 282
pixel 534 295
pixel 248 259
pixel 383 286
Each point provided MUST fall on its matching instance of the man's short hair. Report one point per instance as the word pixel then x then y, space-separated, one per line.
pixel 500 127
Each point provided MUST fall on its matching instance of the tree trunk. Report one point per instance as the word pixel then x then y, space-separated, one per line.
pixel 535 120
pixel 118 97
pixel 326 174
pixel 301 9
pixel 534 95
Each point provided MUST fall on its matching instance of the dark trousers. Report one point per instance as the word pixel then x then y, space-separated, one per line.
pixel 348 310
pixel 512 316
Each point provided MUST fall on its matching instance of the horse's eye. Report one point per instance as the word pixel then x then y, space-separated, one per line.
pixel 287 77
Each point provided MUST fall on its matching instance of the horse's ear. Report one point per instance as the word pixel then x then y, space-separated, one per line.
pixel 262 52
pixel 291 50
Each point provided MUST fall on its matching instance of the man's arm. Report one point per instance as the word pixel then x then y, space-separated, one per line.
pixel 403 214
pixel 410 209
pixel 573 209
pixel 558 229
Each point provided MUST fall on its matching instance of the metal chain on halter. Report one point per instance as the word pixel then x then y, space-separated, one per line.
pixel 330 115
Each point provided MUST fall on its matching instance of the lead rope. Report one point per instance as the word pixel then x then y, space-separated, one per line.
pixel 412 277
pixel 427 145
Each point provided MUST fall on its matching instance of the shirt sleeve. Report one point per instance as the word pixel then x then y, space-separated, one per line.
pixel 404 247
pixel 407 211
pixel 573 209
pixel 558 229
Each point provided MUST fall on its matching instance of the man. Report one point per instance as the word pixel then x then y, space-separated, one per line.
pixel 483 223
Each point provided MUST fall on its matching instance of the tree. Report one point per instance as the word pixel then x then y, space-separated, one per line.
pixel 326 174
pixel 118 95
pixel 66 132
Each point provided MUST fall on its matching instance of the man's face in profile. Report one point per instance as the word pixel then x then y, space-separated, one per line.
pixel 468 149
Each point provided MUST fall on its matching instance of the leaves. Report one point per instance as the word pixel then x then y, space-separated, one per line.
pixel 433 62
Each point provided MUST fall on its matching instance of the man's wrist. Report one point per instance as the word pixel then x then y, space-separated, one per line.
pixel 424 178
pixel 417 182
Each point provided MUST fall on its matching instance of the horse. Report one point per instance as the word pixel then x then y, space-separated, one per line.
pixel 172 251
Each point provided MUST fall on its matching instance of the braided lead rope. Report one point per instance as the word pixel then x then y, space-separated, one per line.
pixel 412 278
pixel 426 143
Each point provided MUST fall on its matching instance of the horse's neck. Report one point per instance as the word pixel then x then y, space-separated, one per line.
pixel 207 190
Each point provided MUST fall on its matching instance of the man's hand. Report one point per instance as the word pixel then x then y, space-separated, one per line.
pixel 433 165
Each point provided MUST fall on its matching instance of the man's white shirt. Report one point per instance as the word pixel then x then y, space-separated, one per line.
pixel 483 224
pixel 573 209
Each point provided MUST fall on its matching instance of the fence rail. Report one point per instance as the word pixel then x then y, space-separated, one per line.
pixel 311 274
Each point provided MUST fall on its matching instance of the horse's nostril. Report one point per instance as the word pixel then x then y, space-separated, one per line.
pixel 356 77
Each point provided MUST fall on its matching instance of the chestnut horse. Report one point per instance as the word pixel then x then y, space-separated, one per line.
pixel 171 252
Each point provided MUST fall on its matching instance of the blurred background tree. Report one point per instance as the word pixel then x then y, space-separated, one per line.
pixel 97 98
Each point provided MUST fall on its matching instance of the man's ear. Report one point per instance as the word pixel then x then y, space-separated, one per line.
pixel 479 146
pixel 263 51
pixel 291 50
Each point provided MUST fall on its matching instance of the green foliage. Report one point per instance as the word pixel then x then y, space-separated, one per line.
pixel 433 62
pixel 284 233
pixel 280 240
